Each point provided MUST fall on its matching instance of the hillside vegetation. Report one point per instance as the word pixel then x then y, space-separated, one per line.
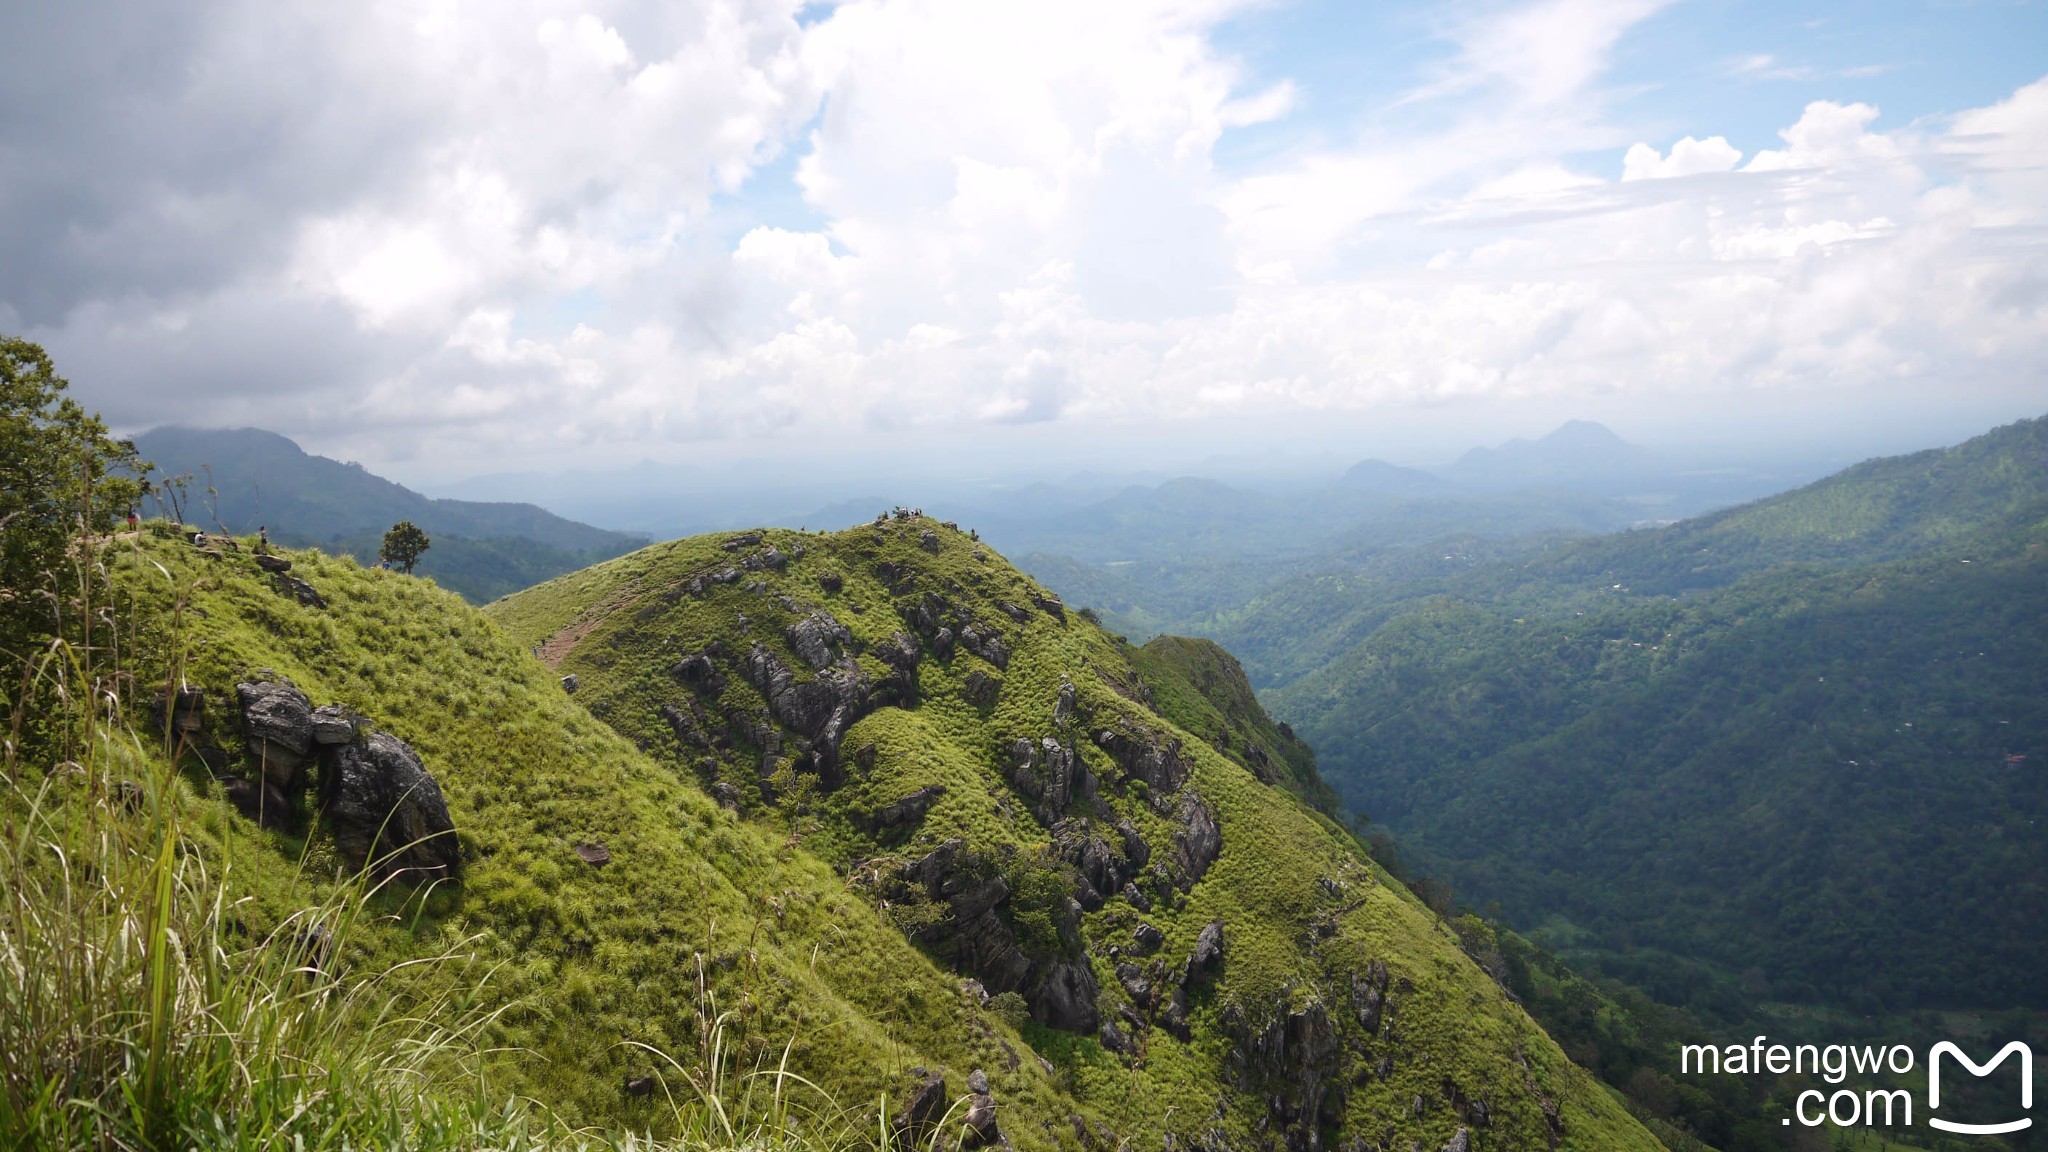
pixel 1789 751
pixel 1113 844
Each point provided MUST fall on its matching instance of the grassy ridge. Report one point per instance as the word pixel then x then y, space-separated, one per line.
pixel 1306 915
pixel 697 915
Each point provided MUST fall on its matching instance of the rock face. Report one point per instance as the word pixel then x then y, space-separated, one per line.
pixel 1066 999
pixel 819 710
pixel 814 637
pixel 277 721
pixel 1197 843
pixel 1104 868
pixel 386 811
pixel 271 563
pixel 1143 756
pixel 1049 773
pixel 181 712
pixel 910 809
pixel 1208 954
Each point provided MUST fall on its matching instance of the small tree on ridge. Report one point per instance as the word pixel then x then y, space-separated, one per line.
pixel 403 545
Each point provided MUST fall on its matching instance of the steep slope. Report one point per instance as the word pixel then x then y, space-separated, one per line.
pixel 481 550
pixel 1203 690
pixel 1787 751
pixel 700 929
pixel 1200 953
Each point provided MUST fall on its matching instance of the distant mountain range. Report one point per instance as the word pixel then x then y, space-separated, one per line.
pixel 243 478
pixel 1790 751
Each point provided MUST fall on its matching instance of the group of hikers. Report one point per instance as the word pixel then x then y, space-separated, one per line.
pixel 201 539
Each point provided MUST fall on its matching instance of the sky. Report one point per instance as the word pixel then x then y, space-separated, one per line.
pixel 449 238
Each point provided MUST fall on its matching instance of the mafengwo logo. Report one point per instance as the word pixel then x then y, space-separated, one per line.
pixel 1846 1107
pixel 1945 1048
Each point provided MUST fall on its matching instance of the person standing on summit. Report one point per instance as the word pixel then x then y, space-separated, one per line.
pixel 262 540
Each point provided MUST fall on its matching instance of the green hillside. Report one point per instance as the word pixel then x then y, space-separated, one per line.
pixel 1194 951
pixel 480 550
pixel 1791 751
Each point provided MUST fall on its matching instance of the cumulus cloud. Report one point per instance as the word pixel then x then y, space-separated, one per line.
pixel 507 230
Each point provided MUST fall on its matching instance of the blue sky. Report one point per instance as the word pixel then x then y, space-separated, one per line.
pixel 573 233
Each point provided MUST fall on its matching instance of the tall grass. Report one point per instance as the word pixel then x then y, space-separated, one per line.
pixel 138 1010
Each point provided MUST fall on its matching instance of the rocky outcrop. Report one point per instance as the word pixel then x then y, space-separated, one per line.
pixel 1049 774
pixel 922 1109
pixel 1144 756
pixel 1103 868
pixel 981 689
pixel 971 935
pixel 1369 996
pixel 1065 999
pixel 180 712
pixel 386 811
pixel 815 637
pixel 910 809
pixel 259 800
pixel 902 653
pixel 299 590
pixel 277 721
pixel 818 710
pixel 1294 1061
pixel 1207 957
pixel 979 1124
pixel 1196 843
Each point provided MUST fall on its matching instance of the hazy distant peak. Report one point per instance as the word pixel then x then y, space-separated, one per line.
pixel 1585 434
pixel 1380 476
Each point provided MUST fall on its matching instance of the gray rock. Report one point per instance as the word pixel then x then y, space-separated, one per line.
pixel 981 689
pixel 1136 899
pixel 386 810
pixel 1113 1038
pixel 814 637
pixel 1050 604
pixel 922 1109
pixel 977 1081
pixel 728 797
pixel 819 710
pixel 1063 708
pixel 271 563
pixel 333 724
pixel 1197 842
pixel 640 1086
pixel 301 591
pixel 928 540
pixel 831 581
pixel 570 683
pixel 1144 756
pixel 594 854
pixel 1065 999
pixel 1459 1142
pixel 1134 982
pixel 911 808
pixel 1147 939
pixel 180 712
pixel 1049 773
pixel 1102 868
pixel 1208 953
pixel 1017 612
pixel 277 721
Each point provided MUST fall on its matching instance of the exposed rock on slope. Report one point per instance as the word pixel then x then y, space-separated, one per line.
pixel 1054 814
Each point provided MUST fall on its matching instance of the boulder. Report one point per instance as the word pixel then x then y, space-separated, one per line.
pixel 911 808
pixel 814 637
pixel 743 540
pixel 1146 939
pixel 1049 773
pixel 639 1085
pixel 819 710
pixel 1103 870
pixel 594 854
pixel 386 810
pixel 980 1121
pixel 1136 899
pixel 270 563
pixel 179 711
pixel 1208 953
pixel 922 1109
pixel 981 689
pixel 1065 999
pixel 1196 843
pixel 333 724
pixel 301 591
pixel 928 540
pixel 831 581
pixel 1144 756
pixel 1050 604
pixel 1461 1141
pixel 1113 1038
pixel 570 683
pixel 1017 612
pixel 277 721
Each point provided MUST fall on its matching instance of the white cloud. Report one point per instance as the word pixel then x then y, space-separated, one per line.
pixel 504 229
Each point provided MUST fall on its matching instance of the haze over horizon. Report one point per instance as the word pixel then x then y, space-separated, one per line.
pixel 826 239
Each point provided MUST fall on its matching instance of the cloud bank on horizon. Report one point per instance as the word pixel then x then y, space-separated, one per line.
pixel 561 231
